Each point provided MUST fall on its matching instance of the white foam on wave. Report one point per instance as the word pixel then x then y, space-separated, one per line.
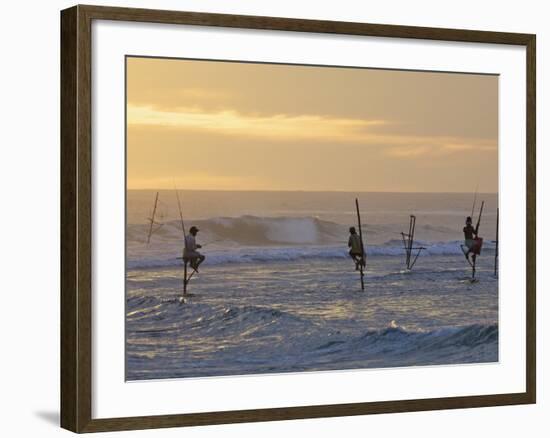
pixel 251 230
pixel 158 258
pixel 294 230
pixel 253 239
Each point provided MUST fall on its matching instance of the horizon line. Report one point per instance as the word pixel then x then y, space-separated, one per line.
pixel 306 191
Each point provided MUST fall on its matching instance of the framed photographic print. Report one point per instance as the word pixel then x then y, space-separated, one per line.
pixel 270 218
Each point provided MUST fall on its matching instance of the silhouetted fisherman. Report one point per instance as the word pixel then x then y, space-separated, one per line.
pixel 469 238
pixel 356 248
pixel 190 251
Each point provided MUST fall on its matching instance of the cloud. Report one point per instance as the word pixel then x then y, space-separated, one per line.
pixel 196 180
pixel 437 148
pixel 408 151
pixel 276 127
pixel 307 128
pixel 479 146
pixel 172 99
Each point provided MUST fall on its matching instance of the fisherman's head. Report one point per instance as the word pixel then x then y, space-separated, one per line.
pixel 193 230
pixel 469 220
pixel 352 230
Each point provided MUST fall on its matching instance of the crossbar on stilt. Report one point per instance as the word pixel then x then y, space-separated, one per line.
pixel 408 242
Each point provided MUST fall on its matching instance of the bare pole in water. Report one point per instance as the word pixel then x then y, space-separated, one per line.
pixel 408 242
pixel 412 225
pixel 412 219
pixel 152 219
pixel 362 246
pixel 496 249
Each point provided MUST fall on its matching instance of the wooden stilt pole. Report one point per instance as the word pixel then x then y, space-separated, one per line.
pixel 412 226
pixel 185 277
pixel 496 249
pixel 185 261
pixel 361 265
pixel 408 244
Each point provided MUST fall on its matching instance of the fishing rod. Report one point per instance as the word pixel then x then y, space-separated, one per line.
pixel 210 242
pixel 475 199
pixel 179 208
pixel 478 243
pixel 479 218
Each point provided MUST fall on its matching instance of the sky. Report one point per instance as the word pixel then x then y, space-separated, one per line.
pixel 211 125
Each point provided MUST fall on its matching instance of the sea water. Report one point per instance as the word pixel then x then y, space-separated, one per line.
pixel 279 293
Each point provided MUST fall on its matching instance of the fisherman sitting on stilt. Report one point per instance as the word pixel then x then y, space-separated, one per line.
pixel 469 239
pixel 355 252
pixel 190 252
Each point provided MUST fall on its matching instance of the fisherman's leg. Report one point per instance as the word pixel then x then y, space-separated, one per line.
pixel 357 261
pixel 468 245
pixel 197 260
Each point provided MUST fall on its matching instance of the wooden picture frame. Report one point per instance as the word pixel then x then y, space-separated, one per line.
pixel 76 217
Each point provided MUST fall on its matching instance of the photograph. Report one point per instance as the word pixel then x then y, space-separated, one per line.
pixel 289 218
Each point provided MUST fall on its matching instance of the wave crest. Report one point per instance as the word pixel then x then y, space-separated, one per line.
pixel 253 239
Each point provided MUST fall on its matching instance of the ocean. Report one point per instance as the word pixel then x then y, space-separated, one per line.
pixel 279 293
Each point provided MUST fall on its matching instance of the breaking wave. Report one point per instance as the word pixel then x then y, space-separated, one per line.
pixel 252 239
pixel 252 230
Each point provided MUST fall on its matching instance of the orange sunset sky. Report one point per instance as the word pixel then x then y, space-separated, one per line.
pixel 207 125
